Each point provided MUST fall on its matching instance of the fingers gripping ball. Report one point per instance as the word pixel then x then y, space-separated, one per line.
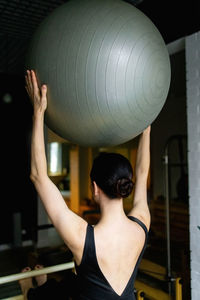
pixel 106 67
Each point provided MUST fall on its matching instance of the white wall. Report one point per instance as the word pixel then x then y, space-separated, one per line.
pixel 193 116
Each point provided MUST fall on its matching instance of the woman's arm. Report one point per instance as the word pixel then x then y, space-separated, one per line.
pixel 143 156
pixel 39 101
pixel 140 206
pixel 69 225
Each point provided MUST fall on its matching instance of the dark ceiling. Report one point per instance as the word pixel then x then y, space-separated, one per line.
pixel 19 19
pixel 174 19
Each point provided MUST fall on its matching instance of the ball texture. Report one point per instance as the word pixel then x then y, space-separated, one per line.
pixel 107 69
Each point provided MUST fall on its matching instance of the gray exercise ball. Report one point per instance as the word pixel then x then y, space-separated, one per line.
pixel 107 69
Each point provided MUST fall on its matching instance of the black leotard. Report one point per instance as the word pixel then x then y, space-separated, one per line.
pixel 92 284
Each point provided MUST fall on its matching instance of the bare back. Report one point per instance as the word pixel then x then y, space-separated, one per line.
pixel 117 249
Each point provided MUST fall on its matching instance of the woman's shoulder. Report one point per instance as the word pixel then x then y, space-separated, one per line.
pixel 139 221
pixel 142 215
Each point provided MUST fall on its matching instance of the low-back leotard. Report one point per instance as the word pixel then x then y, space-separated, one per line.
pixel 92 284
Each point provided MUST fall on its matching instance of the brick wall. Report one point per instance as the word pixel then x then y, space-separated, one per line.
pixel 193 117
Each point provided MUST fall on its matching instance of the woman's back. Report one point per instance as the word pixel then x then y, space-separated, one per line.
pixel 110 259
pixel 117 249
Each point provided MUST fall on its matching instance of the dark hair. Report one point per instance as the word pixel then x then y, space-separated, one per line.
pixel 113 173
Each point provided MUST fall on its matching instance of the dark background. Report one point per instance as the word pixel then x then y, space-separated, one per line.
pixel 18 21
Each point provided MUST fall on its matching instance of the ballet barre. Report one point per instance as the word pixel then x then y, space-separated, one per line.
pixel 70 265
pixel 46 270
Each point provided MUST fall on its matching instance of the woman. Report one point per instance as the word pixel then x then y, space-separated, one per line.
pixel 107 255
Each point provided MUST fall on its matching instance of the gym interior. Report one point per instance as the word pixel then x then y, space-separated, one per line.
pixel 170 265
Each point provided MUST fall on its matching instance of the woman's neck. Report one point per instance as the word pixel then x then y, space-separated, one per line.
pixel 111 210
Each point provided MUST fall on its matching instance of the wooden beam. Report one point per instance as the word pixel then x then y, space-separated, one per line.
pixel 90 161
pixel 74 179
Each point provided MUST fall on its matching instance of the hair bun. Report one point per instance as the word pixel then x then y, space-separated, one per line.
pixel 124 187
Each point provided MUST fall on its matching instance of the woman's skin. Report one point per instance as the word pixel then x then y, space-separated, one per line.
pixel 114 230
pixel 27 283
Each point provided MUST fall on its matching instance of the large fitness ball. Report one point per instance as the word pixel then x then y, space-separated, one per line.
pixel 107 70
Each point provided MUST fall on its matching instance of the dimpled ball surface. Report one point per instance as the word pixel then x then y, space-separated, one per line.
pixel 107 69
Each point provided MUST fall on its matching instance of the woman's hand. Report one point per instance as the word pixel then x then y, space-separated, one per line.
pixel 147 130
pixel 38 96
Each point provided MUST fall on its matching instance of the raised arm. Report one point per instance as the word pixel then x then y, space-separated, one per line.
pixel 70 226
pixel 140 206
